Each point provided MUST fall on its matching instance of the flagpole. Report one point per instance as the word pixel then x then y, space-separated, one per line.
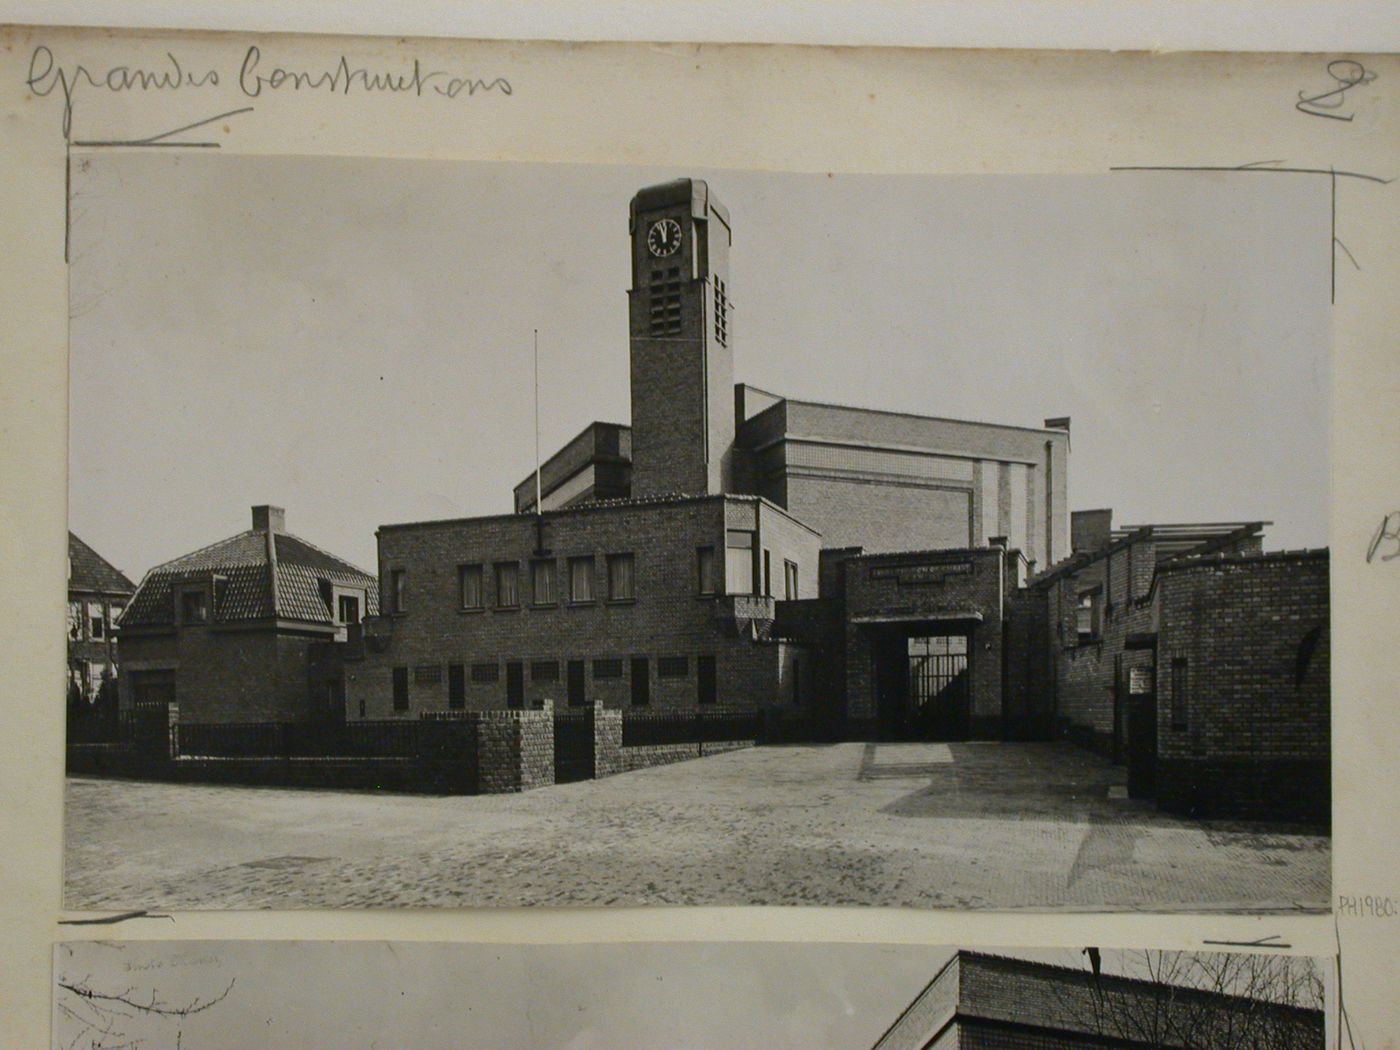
pixel 539 505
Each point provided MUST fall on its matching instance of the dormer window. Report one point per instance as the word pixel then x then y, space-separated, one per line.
pixel 194 606
pixel 347 609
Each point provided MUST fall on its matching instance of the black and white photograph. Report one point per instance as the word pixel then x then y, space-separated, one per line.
pixel 457 534
pixel 208 995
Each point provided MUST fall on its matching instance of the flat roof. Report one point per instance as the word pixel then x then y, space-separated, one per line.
pixel 629 503
pixel 903 415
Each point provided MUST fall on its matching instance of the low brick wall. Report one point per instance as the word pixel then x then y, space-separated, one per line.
pixel 515 749
pixel 630 758
pixel 607 741
pixel 721 746
pixel 649 755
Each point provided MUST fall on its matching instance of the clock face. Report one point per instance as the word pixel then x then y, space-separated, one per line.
pixel 664 237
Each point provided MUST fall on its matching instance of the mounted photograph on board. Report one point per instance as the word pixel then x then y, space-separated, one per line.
pixel 215 994
pixel 696 537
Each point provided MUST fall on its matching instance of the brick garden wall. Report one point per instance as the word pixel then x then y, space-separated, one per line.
pixel 509 751
pixel 1251 733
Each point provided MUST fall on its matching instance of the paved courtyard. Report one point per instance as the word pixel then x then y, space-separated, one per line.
pixel 981 825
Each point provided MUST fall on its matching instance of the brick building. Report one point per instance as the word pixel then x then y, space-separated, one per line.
pixel 871 574
pixel 659 602
pixel 988 1002
pixel 1191 655
pixel 910 645
pixel 652 569
pixel 1243 689
pixel 224 632
pixel 97 595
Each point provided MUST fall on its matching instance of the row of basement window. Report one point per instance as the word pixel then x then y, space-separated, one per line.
pixel 580 580
pixel 547 672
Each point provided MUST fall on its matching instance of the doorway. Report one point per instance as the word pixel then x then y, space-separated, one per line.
pixel 921 684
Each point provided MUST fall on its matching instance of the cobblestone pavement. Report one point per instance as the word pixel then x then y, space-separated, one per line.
pixel 923 825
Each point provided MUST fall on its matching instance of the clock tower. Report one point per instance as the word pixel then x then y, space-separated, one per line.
pixel 682 354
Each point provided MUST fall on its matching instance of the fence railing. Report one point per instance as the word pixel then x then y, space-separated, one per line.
pixel 654 728
pixel 366 739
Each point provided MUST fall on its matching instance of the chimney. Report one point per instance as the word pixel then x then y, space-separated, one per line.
pixel 1089 529
pixel 269 519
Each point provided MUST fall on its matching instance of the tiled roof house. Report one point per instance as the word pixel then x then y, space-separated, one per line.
pixel 224 630
pixel 97 594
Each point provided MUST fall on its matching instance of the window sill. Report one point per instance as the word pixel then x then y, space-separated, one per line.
pixel 505 608
pixel 621 601
pixel 544 605
pixel 472 609
pixel 582 605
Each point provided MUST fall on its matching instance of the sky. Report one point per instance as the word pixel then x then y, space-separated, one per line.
pixel 350 338
pixel 359 995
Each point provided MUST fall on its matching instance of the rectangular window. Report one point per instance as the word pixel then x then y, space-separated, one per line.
pixel 665 301
pixel 427 674
pixel 705 692
pixel 97 621
pixel 705 566
pixel 544 671
pixel 607 668
pixel 790 580
pixel 400 688
pixel 1088 616
pixel 75 621
pixel 739 564
pixel 621 587
pixel 469 583
pixel 575 690
pixel 484 672
pixel 542 590
pixel 456 687
pixel 515 685
pixel 672 667
pixel 507 584
pixel 641 682
pixel 348 609
pixel 194 606
pixel 398 592
pixel 767 573
pixel 1180 696
pixel 581 579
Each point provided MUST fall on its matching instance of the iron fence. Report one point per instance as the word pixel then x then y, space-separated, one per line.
pixel 362 739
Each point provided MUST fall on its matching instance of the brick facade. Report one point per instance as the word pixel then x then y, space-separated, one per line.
pixel 1246 643
pixel 244 655
pixel 1092 671
pixel 858 634
pixel 667 622
pixel 1003 1003
pixel 682 356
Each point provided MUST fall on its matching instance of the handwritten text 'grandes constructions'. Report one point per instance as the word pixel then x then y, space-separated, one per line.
pixel 255 78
